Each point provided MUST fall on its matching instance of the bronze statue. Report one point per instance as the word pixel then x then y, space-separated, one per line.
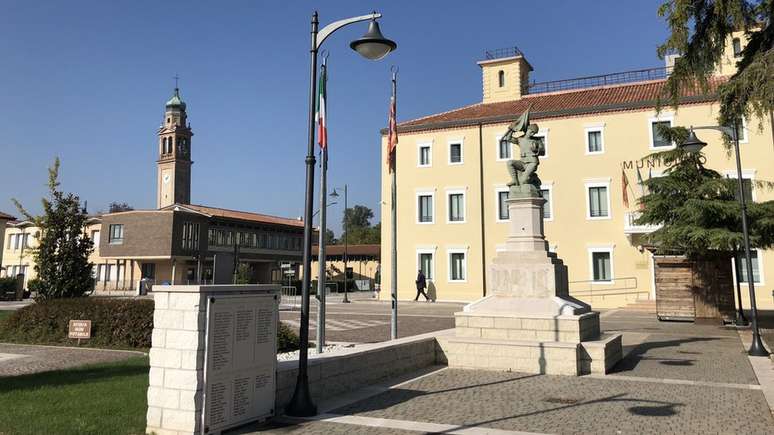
pixel 524 179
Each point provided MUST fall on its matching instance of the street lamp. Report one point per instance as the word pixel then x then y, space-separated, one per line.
pixel 694 144
pixel 372 46
pixel 346 241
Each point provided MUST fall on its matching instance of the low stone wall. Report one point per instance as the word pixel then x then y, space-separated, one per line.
pixel 350 369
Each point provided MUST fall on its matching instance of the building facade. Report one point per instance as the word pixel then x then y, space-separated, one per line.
pixel 597 131
pixel 179 242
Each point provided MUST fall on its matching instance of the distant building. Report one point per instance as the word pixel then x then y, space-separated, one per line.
pixel 363 262
pixel 179 242
pixel 4 218
pixel 452 178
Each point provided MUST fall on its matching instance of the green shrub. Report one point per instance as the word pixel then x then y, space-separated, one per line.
pixel 7 285
pixel 115 323
pixel 118 323
pixel 287 340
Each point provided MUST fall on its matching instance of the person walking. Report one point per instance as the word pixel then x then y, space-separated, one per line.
pixel 421 286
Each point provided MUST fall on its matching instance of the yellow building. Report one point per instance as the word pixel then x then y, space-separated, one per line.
pixel 451 179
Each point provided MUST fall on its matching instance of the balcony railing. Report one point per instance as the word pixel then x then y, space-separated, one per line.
pixel 500 53
pixel 630 227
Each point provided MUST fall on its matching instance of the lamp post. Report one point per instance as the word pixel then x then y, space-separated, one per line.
pixel 694 144
pixel 346 241
pixel 372 46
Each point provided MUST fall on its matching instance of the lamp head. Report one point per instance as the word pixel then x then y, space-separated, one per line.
pixel 334 194
pixel 692 144
pixel 373 45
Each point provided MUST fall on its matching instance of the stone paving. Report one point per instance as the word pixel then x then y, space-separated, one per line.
pixel 18 359
pixel 675 378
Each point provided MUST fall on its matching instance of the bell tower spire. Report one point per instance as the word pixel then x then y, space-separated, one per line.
pixel 174 162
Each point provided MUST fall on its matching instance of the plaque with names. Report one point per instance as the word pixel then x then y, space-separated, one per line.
pixel 240 360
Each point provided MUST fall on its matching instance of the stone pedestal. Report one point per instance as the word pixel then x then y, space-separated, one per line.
pixel 529 322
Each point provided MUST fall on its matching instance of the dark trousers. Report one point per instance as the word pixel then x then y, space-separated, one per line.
pixel 421 291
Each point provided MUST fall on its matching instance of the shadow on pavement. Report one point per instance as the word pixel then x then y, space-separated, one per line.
pixel 633 358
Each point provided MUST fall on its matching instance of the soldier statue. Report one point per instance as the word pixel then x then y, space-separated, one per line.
pixel 524 180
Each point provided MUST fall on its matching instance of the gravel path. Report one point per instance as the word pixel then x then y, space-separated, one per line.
pixel 21 359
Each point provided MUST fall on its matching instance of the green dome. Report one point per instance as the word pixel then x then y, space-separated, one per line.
pixel 176 101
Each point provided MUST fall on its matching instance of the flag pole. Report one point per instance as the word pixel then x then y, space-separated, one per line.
pixel 393 211
pixel 322 102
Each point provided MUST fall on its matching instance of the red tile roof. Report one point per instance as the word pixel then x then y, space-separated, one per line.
pixel 630 96
pixel 243 215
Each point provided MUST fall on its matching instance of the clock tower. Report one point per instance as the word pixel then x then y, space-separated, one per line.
pixel 174 163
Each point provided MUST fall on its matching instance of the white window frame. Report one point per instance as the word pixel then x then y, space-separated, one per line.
pixel 610 249
pixel 549 186
pixel 659 118
pixel 498 190
pixel 747 174
pixel 593 129
pixel 425 144
pixel 428 192
pixel 598 183
pixel 460 141
pixel 498 138
pixel 455 191
pixel 464 252
pixel 543 133
pixel 761 279
pixel 426 250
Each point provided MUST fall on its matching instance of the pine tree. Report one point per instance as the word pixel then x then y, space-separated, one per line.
pixel 62 255
pixel 698 208
pixel 699 33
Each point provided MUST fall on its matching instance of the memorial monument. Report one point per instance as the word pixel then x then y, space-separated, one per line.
pixel 529 322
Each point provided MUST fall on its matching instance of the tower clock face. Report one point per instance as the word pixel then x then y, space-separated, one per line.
pixel 166 178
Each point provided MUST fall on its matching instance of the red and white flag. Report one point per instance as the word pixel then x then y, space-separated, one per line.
pixel 624 188
pixel 392 135
pixel 322 123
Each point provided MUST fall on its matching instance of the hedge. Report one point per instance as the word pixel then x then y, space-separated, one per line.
pixel 115 323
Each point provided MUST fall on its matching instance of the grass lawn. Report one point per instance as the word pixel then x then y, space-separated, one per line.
pixel 4 314
pixel 95 399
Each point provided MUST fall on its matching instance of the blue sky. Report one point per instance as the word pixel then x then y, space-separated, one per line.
pixel 87 81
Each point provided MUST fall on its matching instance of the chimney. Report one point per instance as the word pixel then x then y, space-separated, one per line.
pixel 505 75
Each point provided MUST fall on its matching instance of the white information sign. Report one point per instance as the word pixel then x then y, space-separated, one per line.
pixel 240 360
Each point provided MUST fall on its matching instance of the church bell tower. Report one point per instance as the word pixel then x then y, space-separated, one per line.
pixel 174 163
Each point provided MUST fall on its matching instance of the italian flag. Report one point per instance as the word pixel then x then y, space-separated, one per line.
pixel 322 123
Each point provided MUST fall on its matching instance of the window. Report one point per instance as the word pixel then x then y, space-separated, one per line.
pixel 95 237
pixel 748 175
pixel 425 155
pixel 502 206
pixel 501 78
pixel 116 235
pixel 548 207
pixel 594 141
pixel 601 265
pixel 425 208
pixel 503 149
pixel 455 153
pixel 456 206
pixel 598 200
pixel 741 125
pixel 425 260
pixel 190 239
pixel 737 45
pixel 741 267
pixel 149 270
pixel 543 136
pixel 657 140
pixel 457 266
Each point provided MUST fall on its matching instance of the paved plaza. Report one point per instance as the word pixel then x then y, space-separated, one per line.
pixel 369 321
pixel 23 359
pixel 675 378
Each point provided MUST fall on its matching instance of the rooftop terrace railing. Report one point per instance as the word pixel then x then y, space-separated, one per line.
pixel 499 53
pixel 639 75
